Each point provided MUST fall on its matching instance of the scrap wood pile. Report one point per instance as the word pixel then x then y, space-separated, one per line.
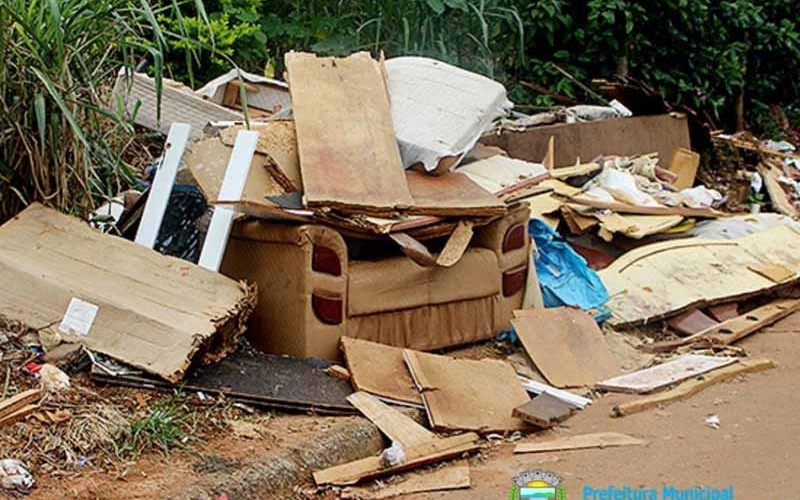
pixel 414 156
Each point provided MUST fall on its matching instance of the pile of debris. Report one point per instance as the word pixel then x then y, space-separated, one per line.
pixel 369 211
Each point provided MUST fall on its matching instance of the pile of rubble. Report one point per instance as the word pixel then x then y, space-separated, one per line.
pixel 369 211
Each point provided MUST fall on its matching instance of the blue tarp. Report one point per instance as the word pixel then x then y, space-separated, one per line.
pixel 564 276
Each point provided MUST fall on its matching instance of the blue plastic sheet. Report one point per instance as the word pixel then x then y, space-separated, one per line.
pixel 564 276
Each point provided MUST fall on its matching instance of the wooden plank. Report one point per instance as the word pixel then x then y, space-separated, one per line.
pixel 659 376
pixel 451 477
pixel 691 387
pixel 451 195
pixel 467 394
pixel 583 441
pixel 684 164
pixel 161 188
pixel 544 411
pixel 737 328
pixel 232 188
pixel 397 426
pixel 574 171
pixel 370 467
pixel 456 244
pixel 380 370
pixel 502 175
pixel 776 193
pixel 566 345
pixel 14 403
pixel 413 249
pixel 349 158
pixel 18 415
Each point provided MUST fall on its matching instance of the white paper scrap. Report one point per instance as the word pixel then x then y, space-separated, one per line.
pixel 79 318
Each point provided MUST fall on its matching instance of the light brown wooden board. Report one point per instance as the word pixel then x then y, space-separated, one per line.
pixel 413 249
pixel 684 163
pixel 739 327
pixel 380 370
pixel 451 194
pixel 463 394
pixel 397 426
pixel 625 208
pixel 370 467
pixel 154 312
pixel 582 441
pixel 544 411
pixel 665 374
pixel 661 279
pixel 566 345
pixel 691 387
pixel 349 158
pixel 456 244
pixel 776 193
pixel 19 414
pixel 14 403
pixel 450 477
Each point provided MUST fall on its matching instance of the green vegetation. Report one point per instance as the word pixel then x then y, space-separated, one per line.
pixel 165 427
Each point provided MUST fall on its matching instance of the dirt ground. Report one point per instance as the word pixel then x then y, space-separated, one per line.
pixel 755 448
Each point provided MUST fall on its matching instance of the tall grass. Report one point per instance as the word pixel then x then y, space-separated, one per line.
pixel 61 141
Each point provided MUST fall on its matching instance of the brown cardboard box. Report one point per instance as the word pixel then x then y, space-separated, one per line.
pixel 310 293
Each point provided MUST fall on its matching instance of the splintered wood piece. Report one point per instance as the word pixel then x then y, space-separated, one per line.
pixel 566 345
pixel 18 415
pixel 14 403
pixel 397 426
pixel 451 477
pixel 413 249
pixel 456 245
pixel 691 387
pixel 349 157
pixel 583 441
pixel 691 322
pixel 545 410
pixel 739 327
pixel 416 456
pixel 659 376
pixel 684 164
pixel 465 394
pixel 379 370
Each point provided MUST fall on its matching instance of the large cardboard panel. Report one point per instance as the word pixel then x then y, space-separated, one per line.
pixel 154 312
pixel 349 156
pixel 587 140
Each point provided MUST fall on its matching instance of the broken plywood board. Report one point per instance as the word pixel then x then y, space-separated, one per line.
pixel 449 477
pixel 261 93
pixel 465 394
pixel 416 456
pixel 153 311
pixel 636 226
pixel 689 388
pixel 380 370
pixel 349 158
pixel 684 164
pixel 450 195
pixel 777 195
pixel 413 249
pixel 456 244
pixel 536 387
pixel 579 442
pixel 657 280
pixel 395 425
pixel 278 143
pixel 18 401
pixel 502 175
pixel 545 410
pixel 660 376
pixel 734 329
pixel 566 345
pixel 626 208
pixel 691 322
pixel 440 111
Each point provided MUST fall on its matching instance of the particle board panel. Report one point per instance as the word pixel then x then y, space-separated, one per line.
pixel 379 370
pixel 349 157
pixel 659 376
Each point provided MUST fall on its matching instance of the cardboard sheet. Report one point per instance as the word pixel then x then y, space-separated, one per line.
pixel 579 442
pixel 464 394
pixel 566 345
pixel 380 370
pixel 440 111
pixel 349 156
pixel 662 279
pixel 154 312
pixel 659 376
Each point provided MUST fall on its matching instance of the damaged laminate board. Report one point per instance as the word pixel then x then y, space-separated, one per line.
pixel 380 370
pixel 254 378
pixel 580 442
pixel 691 387
pixel 152 311
pixel 349 158
pixel 451 195
pixel 501 175
pixel 545 410
pixel 465 394
pixel 566 345
pixel 660 376
pixel 662 279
